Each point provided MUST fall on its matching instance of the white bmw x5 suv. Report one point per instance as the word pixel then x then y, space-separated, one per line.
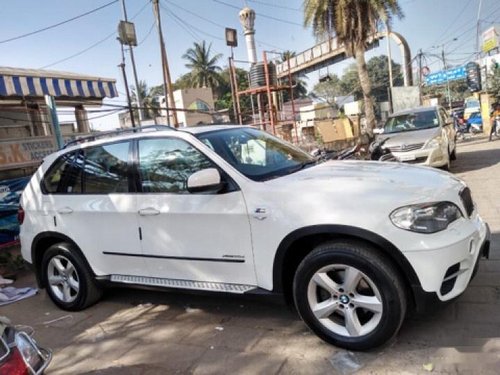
pixel 234 209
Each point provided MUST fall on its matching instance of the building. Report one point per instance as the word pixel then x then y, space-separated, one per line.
pixel 195 106
pixel 30 130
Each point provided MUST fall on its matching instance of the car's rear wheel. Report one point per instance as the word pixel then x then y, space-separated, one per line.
pixel 349 295
pixel 69 282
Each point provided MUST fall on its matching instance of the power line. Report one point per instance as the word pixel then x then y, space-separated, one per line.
pixel 219 25
pixel 58 24
pixel 275 5
pixel 260 14
pixel 81 52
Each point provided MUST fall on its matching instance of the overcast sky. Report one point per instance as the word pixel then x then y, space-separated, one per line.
pixel 427 23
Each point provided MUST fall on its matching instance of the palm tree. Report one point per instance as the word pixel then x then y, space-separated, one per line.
pixel 204 68
pixel 353 22
pixel 149 97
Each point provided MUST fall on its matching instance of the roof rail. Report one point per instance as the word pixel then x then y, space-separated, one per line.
pixel 113 133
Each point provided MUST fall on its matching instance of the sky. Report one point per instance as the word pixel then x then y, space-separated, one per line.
pixel 88 44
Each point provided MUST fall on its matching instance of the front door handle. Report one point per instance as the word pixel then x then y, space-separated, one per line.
pixel 65 210
pixel 260 213
pixel 149 211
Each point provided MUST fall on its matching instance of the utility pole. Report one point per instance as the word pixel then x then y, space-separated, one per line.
pixel 167 83
pixel 478 28
pixel 122 66
pixel 389 64
pixel 420 74
pixel 132 60
pixel 445 67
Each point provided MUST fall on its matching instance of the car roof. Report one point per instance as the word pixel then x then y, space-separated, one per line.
pixel 414 110
pixel 161 130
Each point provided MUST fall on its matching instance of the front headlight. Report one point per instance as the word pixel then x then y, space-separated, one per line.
pixel 434 142
pixel 427 217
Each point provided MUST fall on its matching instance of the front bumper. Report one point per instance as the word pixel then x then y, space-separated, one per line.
pixel 454 282
pixel 432 157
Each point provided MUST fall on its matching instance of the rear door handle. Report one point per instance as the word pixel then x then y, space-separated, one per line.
pixel 149 211
pixel 65 210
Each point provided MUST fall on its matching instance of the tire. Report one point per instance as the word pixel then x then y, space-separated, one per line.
pixel 320 285
pixel 453 155
pixel 69 281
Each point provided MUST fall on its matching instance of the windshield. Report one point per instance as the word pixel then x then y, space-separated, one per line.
pixel 412 121
pixel 472 103
pixel 256 154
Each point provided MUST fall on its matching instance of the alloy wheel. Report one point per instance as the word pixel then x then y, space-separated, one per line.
pixel 345 300
pixel 63 278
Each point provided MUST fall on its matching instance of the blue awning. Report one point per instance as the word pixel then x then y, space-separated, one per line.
pixel 37 83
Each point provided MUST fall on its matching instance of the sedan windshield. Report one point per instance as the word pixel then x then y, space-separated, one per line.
pixel 256 154
pixel 411 121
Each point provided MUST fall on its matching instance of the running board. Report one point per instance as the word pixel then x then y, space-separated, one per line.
pixel 182 284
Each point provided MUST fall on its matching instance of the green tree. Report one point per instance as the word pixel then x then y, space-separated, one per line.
pixel 353 22
pixel 378 72
pixel 328 90
pixel 203 65
pixel 149 96
pixel 225 99
pixel 493 81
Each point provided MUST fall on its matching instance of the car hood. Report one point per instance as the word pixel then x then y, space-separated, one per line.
pixel 363 181
pixel 409 137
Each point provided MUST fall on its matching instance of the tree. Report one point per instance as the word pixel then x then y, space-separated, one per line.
pixel 225 99
pixel 329 90
pixel 149 97
pixel 204 68
pixel 378 72
pixel 493 85
pixel 353 22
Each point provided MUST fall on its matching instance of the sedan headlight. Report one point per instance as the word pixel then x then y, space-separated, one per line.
pixel 426 218
pixel 434 142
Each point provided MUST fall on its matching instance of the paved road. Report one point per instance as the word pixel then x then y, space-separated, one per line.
pixel 145 332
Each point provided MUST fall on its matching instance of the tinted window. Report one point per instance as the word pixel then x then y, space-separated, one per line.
pixel 166 164
pixel 65 175
pixel 106 169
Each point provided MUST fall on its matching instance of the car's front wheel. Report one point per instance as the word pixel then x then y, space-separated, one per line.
pixel 69 281
pixel 349 295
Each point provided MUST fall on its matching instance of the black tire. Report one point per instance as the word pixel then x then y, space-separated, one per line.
pixel 359 257
pixel 453 155
pixel 88 291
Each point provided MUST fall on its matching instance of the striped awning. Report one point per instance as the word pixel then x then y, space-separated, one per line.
pixel 37 83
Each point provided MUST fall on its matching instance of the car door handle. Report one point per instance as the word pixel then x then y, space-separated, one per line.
pixel 149 211
pixel 260 213
pixel 65 210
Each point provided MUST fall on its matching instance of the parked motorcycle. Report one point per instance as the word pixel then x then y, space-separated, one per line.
pixel 19 352
pixel 379 152
pixel 347 153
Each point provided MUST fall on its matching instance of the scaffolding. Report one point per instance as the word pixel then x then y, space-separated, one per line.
pixel 267 104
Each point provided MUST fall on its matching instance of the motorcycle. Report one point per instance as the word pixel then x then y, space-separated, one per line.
pixel 379 152
pixel 19 352
pixel 345 154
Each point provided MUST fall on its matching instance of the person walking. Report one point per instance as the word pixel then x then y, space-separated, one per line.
pixel 494 118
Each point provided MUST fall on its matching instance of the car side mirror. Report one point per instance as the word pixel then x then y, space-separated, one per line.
pixel 206 181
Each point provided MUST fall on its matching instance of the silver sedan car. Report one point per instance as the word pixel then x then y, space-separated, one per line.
pixel 423 136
